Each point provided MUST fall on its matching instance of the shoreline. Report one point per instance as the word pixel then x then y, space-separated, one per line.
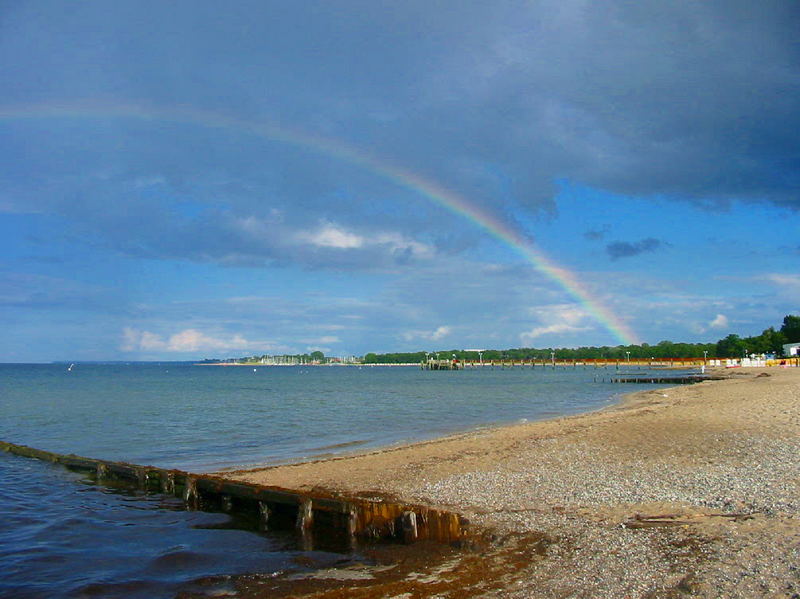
pixel 400 446
pixel 714 462
pixel 250 473
pixel 366 447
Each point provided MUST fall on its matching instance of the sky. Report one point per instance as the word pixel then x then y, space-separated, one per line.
pixel 189 179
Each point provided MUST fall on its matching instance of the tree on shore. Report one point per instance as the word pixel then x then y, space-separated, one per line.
pixel 733 346
pixel 791 328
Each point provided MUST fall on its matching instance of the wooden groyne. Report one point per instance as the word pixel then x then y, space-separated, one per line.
pixel 312 515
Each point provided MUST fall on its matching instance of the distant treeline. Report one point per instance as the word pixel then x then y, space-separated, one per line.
pixel 770 341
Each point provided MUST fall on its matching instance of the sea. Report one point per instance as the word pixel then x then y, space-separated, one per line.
pixel 62 536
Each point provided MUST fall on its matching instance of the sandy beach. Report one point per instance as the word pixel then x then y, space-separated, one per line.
pixel 687 491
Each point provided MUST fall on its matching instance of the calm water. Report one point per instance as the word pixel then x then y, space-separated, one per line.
pixel 63 537
pixel 85 540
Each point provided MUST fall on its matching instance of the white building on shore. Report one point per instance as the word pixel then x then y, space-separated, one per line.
pixel 791 349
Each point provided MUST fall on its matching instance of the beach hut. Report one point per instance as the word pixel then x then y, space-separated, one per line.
pixel 791 349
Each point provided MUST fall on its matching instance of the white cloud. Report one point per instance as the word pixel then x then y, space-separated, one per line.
pixel 438 334
pixel 324 339
pixel 331 236
pixel 553 328
pixel 188 340
pixel 130 339
pixel 567 313
pixel 789 282
pixel 557 318
pixel 149 341
pixel 720 322
pixel 193 340
pixel 396 242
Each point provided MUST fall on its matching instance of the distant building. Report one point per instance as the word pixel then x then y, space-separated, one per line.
pixel 791 349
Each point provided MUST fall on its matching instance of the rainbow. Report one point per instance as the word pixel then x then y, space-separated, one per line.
pixel 427 188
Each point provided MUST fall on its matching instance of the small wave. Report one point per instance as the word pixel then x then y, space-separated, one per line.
pixel 341 445
pixel 180 558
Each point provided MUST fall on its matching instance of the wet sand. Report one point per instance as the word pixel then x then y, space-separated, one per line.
pixel 687 491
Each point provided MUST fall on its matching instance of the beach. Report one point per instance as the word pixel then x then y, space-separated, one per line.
pixel 685 491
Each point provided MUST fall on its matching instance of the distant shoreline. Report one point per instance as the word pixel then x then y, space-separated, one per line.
pixel 257 364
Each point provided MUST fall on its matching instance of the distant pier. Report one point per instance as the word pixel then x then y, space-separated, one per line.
pixel 441 365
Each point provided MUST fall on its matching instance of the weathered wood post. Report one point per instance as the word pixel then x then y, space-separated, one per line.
pixel 143 478
pixel 408 521
pixel 264 513
pixel 305 520
pixel 352 524
pixel 190 495
pixel 168 483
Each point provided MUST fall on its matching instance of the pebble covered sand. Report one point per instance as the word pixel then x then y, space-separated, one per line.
pixel 687 491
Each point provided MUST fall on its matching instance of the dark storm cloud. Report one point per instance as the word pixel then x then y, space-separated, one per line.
pixel 627 249
pixel 495 100
pixel 686 99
